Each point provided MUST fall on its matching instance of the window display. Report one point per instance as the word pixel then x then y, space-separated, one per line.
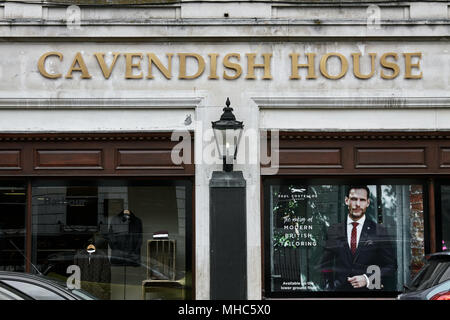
pixel 341 238
pixel 95 271
pixel 97 232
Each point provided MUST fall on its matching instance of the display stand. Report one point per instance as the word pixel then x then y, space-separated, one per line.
pixel 161 263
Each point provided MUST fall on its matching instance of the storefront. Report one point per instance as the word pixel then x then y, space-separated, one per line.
pixel 118 192
pixel 106 111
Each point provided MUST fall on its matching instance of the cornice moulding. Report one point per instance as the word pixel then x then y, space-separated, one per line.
pixel 99 103
pixel 352 102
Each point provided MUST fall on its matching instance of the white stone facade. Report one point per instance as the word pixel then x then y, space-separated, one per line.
pixel 30 102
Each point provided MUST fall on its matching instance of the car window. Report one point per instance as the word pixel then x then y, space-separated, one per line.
pixel 438 272
pixel 423 277
pixel 446 275
pixel 418 279
pixel 433 273
pixel 5 296
pixel 34 291
pixel 8 295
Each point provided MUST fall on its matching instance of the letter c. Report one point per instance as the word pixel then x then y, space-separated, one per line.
pixel 41 64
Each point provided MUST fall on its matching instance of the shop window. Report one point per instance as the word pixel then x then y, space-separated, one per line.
pixel 100 231
pixel 12 227
pixel 312 248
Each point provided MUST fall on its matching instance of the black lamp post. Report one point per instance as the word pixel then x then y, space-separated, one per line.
pixel 227 133
pixel 227 229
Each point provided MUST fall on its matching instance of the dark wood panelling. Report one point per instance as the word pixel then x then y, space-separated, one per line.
pixel 68 159
pixel 91 154
pixel 444 157
pixel 145 159
pixel 310 158
pixel 361 153
pixel 390 158
pixel 10 160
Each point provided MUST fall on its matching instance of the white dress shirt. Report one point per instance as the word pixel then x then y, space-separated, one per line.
pixel 358 229
pixel 358 235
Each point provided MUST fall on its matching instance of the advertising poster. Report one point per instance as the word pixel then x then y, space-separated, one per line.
pixel 334 238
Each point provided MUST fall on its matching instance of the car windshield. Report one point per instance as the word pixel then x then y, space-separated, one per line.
pixel 433 273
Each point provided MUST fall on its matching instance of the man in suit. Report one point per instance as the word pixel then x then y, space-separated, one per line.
pixel 354 245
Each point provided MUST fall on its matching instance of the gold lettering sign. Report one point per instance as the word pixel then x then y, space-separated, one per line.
pixel 153 59
pixel 78 60
pixel 409 65
pixel 323 65
pixel 230 66
pixel 41 64
pixel 356 66
pixel 101 61
pixel 389 65
pixel 310 65
pixel 130 65
pixel 213 66
pixel 200 65
pixel 251 65
pixel 233 66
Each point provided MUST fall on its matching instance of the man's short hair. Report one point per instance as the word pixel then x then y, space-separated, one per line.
pixel 360 186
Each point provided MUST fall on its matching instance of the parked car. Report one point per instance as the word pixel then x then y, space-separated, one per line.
pixel 25 286
pixel 433 280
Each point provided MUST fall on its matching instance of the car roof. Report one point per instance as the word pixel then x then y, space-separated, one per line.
pixel 29 276
pixel 55 284
pixel 439 255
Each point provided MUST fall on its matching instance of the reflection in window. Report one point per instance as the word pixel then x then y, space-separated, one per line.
pixel 445 205
pixel 310 237
pixel 104 230
pixel 12 227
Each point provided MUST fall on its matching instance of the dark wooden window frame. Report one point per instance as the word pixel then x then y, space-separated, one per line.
pixel 366 156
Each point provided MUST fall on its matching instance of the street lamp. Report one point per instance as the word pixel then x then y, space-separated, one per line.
pixel 227 133
pixel 228 215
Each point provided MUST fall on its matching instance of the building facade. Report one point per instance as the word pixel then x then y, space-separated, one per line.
pixel 106 138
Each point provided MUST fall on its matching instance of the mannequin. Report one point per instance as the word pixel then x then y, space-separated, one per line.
pixel 95 271
pixel 90 250
pixel 125 239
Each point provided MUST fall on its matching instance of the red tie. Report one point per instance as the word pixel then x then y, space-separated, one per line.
pixel 353 239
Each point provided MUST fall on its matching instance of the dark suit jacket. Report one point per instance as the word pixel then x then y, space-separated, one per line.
pixel 125 239
pixel 375 247
pixel 95 272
